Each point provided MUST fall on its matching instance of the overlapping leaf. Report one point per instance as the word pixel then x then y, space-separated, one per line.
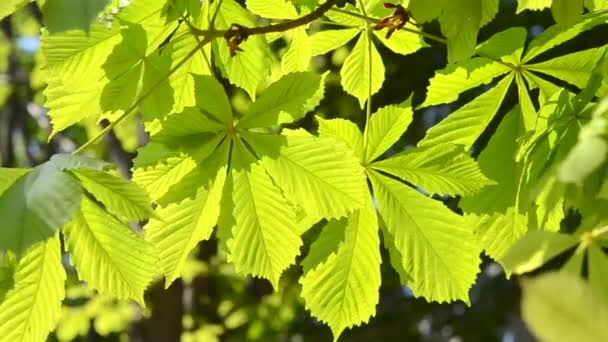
pixel 85 69
pixel 441 169
pixel 248 68
pixel 120 197
pixel 37 205
pixel 32 307
pixel 342 271
pixel 185 224
pixel 425 233
pixel 108 254
pixel 264 236
pixel 320 176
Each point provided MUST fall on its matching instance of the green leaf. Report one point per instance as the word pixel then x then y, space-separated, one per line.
pixel 386 127
pixel 248 68
pixel 317 174
pixel 598 263
pixel 123 198
pixel 327 40
pixel 297 56
pixel 8 265
pixel 342 271
pixel 574 68
pixel 108 254
pixel 596 5
pixel 8 177
pixel 441 169
pixel 182 81
pixel 448 83
pixel 345 131
pixel 489 9
pixel 189 125
pixel 402 42
pixel 535 249
pixel 552 316
pixel 590 151
pixel 465 125
pixel 508 45
pixel 182 226
pixel 265 240
pixel 460 22
pixel 105 70
pixel 534 5
pixel 286 100
pixel 356 69
pixel 498 232
pixel 424 11
pixel 498 221
pixel 157 179
pixel 212 100
pixel 8 7
pixel 36 206
pixel 567 12
pixel 272 9
pixel 31 309
pixel 528 110
pixel 557 35
pixel 435 239
pixel 64 15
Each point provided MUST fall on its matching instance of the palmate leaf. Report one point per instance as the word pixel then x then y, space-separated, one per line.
pixel 386 127
pixel 426 234
pixel 108 254
pixel 32 307
pixel 551 316
pixel 317 174
pixel 442 169
pixel 467 123
pixel 574 68
pixel 105 63
pixel 356 69
pixel 327 40
pixel 157 179
pixel 345 131
pixel 557 35
pixel 183 225
pixel 264 238
pixel 120 197
pixel 447 84
pixel 212 100
pixel 498 223
pixel 248 68
pixel 37 205
pixel 286 100
pixel 342 271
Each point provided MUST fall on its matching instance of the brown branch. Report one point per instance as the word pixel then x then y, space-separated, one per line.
pixel 236 34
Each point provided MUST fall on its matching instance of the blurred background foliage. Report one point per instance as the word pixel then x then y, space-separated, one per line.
pixel 212 302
